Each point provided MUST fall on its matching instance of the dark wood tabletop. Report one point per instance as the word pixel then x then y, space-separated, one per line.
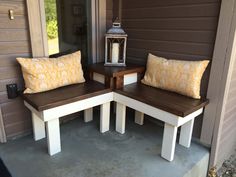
pixel 65 95
pixel 165 100
pixel 116 71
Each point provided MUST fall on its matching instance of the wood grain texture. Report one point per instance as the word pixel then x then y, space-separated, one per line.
pixel 65 95
pixel 14 47
pixel 161 3
pixel 164 100
pixel 17 7
pixel 116 71
pixel 18 80
pixel 10 72
pixel 181 29
pixel 109 13
pixel 14 42
pixel 10 60
pixel 14 35
pixel 20 22
pixel 2 129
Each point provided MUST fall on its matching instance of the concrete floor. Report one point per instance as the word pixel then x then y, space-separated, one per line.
pixel 88 153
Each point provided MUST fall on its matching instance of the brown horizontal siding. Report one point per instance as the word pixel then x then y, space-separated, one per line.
pixel 18 116
pixel 173 46
pixel 109 13
pixel 18 128
pixel 17 80
pixel 9 72
pixel 191 24
pixel 10 60
pixel 161 3
pixel 183 29
pixel 14 42
pixel 13 35
pixel 173 35
pixel 17 7
pixel 14 47
pixel 185 11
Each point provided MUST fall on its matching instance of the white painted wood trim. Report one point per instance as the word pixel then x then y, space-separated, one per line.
pixel 168 142
pixel 120 117
pixel 3 138
pixel 105 117
pixel 139 117
pixel 98 10
pixel 88 115
pixel 37 28
pixel 186 133
pixel 53 136
pixel 147 109
pixel 230 56
pixel 217 80
pixel 99 78
pixel 38 127
pixel 130 78
pixel 76 106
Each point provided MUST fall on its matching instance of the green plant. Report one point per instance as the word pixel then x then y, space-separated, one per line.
pixel 52 29
pixel 51 19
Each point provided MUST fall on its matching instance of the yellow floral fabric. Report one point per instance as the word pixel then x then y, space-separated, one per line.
pixel 43 74
pixel 183 77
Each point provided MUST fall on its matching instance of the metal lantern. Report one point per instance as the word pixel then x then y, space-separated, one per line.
pixel 115 46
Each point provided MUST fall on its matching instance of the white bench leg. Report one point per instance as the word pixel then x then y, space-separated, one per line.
pixel 38 127
pixel 168 142
pixel 120 118
pixel 139 117
pixel 53 136
pixel 88 115
pixel 105 117
pixel 186 133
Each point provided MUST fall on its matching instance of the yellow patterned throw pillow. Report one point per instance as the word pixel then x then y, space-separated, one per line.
pixel 183 77
pixel 43 74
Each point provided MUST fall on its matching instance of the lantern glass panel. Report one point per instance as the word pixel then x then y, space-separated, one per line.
pixel 115 50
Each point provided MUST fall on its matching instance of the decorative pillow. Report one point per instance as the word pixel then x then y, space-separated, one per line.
pixel 43 74
pixel 183 77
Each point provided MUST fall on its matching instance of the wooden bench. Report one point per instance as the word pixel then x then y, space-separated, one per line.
pixel 48 107
pixel 173 109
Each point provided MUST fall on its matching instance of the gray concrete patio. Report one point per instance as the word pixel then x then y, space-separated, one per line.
pixel 88 153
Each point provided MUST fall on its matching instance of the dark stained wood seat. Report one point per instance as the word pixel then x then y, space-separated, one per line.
pixel 65 95
pixel 165 100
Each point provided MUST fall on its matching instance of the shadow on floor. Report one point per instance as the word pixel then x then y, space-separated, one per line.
pixel 88 153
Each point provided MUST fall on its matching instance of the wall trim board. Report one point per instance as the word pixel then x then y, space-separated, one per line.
pixel 217 68
pixel 221 73
pixel 98 20
pixel 227 75
pixel 37 28
pixel 3 138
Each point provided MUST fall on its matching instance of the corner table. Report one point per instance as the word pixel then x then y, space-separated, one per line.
pixel 116 77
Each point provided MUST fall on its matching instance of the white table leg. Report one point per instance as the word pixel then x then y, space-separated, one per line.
pixel 168 142
pixel 88 115
pixel 120 118
pixel 53 136
pixel 139 117
pixel 186 133
pixel 105 117
pixel 38 127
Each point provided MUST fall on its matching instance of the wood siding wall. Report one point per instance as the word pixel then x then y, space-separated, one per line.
pixel 14 42
pixel 227 144
pixel 109 13
pixel 183 29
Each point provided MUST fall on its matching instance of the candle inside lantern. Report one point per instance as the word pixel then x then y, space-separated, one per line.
pixel 115 52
